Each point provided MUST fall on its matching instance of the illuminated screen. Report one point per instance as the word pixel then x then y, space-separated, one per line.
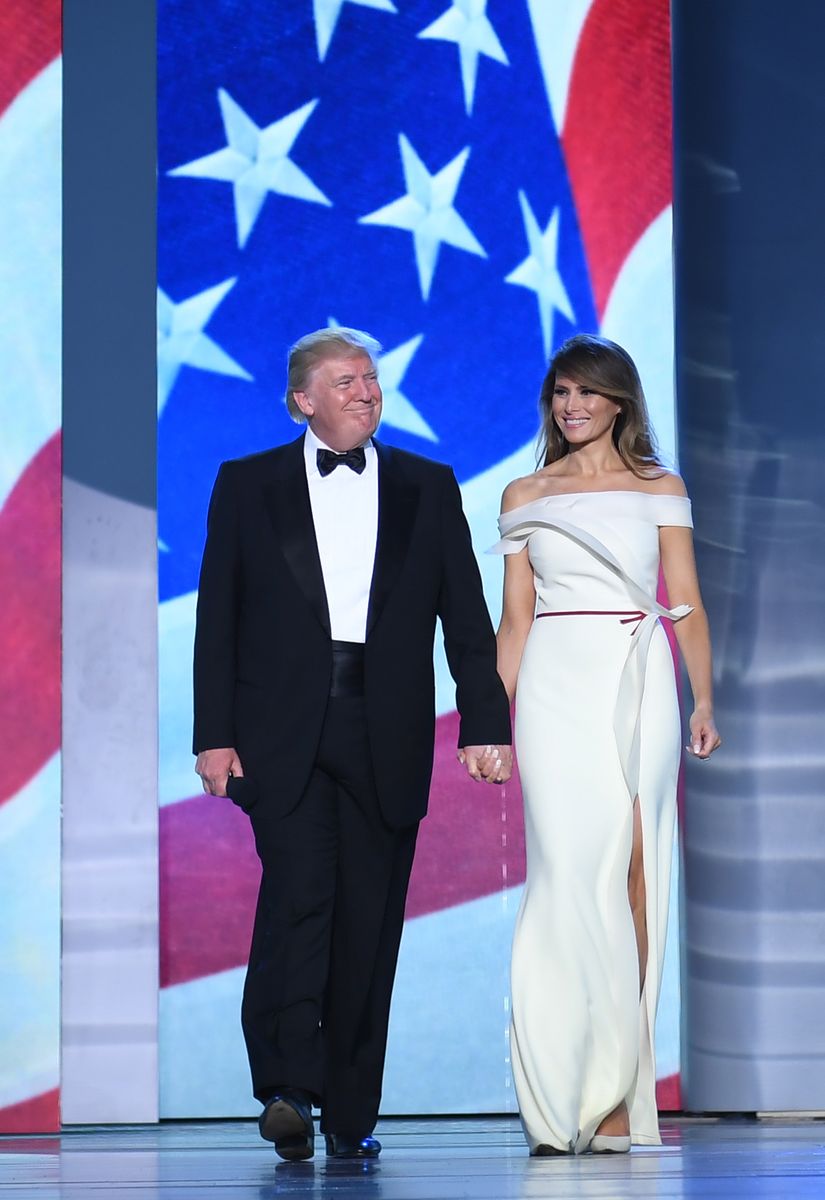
pixel 471 183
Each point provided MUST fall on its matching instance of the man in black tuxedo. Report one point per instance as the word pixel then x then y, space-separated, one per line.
pixel 327 561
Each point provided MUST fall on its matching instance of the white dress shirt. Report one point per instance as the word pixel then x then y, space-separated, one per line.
pixel 345 514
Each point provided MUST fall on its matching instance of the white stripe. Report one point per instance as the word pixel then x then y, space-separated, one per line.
pixel 192 1016
pixel 30 938
pixel 557 28
pixel 176 636
pixel 449 1047
pixel 448 1044
pixel 30 247
pixel 639 316
pixel 481 498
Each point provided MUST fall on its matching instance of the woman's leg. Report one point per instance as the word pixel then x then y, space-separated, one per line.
pixel 617 1122
pixel 637 894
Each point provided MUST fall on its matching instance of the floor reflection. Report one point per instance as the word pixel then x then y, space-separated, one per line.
pixel 484 1158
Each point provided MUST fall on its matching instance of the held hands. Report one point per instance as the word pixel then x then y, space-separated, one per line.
pixel 493 764
pixel 215 767
pixel 704 736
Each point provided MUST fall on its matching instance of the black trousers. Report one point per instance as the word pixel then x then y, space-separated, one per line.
pixel 327 931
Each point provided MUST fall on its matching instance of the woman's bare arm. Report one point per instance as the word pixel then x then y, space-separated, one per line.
pixel 692 633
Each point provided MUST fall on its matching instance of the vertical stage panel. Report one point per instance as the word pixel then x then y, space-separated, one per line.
pixel 750 247
pixel 110 570
pixel 30 239
pixel 289 136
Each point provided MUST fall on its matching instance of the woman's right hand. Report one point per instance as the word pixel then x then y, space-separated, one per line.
pixel 704 736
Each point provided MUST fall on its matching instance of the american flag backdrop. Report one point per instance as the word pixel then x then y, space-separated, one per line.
pixel 471 181
pixel 30 238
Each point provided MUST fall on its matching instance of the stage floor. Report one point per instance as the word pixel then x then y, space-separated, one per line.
pixel 441 1159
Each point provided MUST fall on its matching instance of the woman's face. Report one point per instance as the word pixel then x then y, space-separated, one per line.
pixel 581 414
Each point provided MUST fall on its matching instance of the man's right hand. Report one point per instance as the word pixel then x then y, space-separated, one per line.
pixel 215 767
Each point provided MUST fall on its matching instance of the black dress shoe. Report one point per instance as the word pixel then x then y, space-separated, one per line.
pixel 341 1146
pixel 545 1151
pixel 287 1121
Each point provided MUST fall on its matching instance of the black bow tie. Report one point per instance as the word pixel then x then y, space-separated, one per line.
pixel 328 460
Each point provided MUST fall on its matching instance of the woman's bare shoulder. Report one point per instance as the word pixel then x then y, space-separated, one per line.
pixel 520 491
pixel 668 483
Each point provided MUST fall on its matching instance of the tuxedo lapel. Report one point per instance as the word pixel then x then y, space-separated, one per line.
pixel 397 506
pixel 288 505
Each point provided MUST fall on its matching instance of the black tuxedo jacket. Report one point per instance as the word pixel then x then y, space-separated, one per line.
pixel 262 645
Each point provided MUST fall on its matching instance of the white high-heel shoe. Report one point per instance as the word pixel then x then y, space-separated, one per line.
pixel 603 1144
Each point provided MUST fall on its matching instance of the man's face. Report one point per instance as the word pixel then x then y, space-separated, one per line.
pixel 342 401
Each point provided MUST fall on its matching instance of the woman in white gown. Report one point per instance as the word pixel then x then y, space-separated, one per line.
pixel 598 741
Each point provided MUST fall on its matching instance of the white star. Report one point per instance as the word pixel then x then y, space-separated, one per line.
pixel 326 18
pixel 427 212
pixel 398 411
pixel 468 25
pixel 182 342
pixel 256 161
pixel 539 273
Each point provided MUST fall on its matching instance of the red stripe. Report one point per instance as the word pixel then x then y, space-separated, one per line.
pixel 30 39
pixel 209 870
pixel 30 620
pixel 38 1114
pixel 465 849
pixel 669 1094
pixel 209 875
pixel 617 131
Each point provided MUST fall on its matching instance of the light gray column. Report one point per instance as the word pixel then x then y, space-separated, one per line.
pixel 110 877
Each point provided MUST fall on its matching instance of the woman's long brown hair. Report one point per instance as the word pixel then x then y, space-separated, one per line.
pixel 606 368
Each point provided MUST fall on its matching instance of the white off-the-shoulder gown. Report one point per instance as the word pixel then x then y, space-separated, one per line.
pixel 597 724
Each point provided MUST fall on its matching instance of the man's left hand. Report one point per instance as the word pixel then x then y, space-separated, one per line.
pixel 492 764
